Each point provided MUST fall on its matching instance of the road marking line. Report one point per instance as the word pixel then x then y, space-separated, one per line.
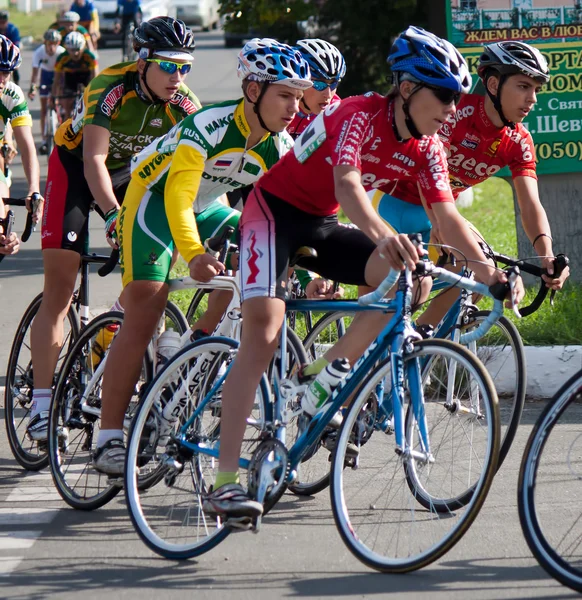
pixel 37 493
pixel 9 564
pixel 16 540
pixel 26 516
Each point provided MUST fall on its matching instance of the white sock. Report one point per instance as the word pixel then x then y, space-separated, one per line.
pixel 106 435
pixel 41 401
pixel 117 306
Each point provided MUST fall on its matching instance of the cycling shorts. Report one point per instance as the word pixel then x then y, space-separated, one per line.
pixel 74 80
pixel 46 83
pixel 67 202
pixel 401 216
pixel 145 240
pixel 271 232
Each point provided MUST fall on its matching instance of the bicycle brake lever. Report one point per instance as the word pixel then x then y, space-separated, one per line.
pixel 512 276
pixel 552 296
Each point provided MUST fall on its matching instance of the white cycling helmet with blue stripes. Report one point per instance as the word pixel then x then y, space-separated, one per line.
pixel 324 59
pixel 421 56
pixel 268 61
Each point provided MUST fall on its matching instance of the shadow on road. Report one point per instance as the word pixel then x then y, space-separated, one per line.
pixel 26 262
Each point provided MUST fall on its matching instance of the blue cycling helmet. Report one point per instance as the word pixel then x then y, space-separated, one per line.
pixel 418 55
pixel 268 61
pixel 324 59
pixel 10 58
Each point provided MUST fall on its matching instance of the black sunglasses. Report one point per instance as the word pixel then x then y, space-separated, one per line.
pixel 445 95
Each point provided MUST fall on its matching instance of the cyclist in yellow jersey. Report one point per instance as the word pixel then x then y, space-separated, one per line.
pixel 221 147
pixel 122 110
pixel 74 69
pixel 69 21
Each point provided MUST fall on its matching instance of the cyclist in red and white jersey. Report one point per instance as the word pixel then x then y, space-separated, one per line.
pixel 363 142
pixel 484 135
pixel 327 67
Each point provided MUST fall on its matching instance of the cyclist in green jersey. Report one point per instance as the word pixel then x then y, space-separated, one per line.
pixel 217 149
pixel 122 110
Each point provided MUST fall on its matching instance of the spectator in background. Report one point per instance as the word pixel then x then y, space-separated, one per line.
pixel 10 31
pixel 89 17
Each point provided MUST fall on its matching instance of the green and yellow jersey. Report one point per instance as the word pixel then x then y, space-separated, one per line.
pixel 114 100
pixel 67 63
pixel 13 108
pixel 199 160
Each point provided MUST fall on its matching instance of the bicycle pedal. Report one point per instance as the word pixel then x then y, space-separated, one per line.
pixel 239 524
pixel 115 481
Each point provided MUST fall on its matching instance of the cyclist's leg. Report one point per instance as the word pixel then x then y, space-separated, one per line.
pixel 145 256
pixel 263 277
pixel 63 238
pixel 211 222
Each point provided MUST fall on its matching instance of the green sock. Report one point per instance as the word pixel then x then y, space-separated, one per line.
pixel 222 478
pixel 316 367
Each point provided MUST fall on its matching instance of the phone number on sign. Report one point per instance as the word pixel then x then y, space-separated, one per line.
pixel 558 150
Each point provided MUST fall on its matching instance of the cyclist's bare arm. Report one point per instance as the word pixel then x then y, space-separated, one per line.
pixel 95 150
pixel 535 222
pixel 33 82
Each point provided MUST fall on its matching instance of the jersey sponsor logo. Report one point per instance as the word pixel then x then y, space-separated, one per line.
pixel 218 124
pixel 403 158
pixel 375 143
pixel 148 169
pixel 22 113
pixel 72 236
pixel 492 150
pixel 445 130
pixel 471 141
pixel 472 168
pixel 156 123
pixel 522 141
pixel 182 101
pixel 461 114
pixel 371 158
pixel 370 180
pixel 193 135
pixel 111 99
pixel 437 169
pixel 223 179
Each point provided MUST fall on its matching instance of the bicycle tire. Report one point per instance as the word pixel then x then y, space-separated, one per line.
pixel 336 321
pixel 549 545
pixel 176 317
pixel 214 350
pixel 359 537
pixel 72 431
pixel 501 369
pixel 19 389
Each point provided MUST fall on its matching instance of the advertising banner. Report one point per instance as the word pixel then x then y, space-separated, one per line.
pixel 555 28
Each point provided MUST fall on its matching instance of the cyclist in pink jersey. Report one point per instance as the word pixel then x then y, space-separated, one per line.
pixel 481 138
pixel 365 141
pixel 327 66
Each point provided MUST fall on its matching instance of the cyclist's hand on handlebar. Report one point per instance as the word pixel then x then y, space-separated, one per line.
pixel 399 251
pixel 203 267
pixel 518 288
pixel 551 282
pixel 9 245
pixel 11 152
pixel 34 205
pixel 319 289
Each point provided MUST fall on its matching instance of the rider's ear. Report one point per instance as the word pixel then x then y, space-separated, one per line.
pixel 140 65
pixel 406 89
pixel 493 84
pixel 253 91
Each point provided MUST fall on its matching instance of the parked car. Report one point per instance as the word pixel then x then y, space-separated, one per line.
pixel 201 13
pixel 107 10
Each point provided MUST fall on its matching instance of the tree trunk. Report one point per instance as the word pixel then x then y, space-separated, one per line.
pixel 561 196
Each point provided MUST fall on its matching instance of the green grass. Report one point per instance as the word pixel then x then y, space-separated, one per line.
pixel 34 23
pixel 493 214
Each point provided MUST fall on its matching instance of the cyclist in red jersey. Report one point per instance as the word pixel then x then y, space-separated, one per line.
pixel 327 66
pixel 363 142
pixel 481 138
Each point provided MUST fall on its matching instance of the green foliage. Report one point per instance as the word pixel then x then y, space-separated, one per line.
pixel 33 23
pixel 266 18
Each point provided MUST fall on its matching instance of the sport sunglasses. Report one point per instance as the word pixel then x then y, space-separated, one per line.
pixel 445 95
pixel 170 67
pixel 323 85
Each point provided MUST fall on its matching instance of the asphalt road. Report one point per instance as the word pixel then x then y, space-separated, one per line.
pixel 48 550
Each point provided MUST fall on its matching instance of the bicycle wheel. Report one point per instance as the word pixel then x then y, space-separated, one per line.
pixel 169 517
pixel 549 486
pixel 313 474
pixel 502 353
pixel 175 319
pixel 325 333
pixel 74 420
pixel 19 385
pixel 376 498
pixel 198 305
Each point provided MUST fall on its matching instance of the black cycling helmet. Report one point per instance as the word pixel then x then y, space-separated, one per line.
pixel 511 58
pixel 163 33
pixel 10 58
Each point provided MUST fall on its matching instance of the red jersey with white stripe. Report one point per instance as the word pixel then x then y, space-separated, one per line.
pixel 302 120
pixel 477 149
pixel 356 132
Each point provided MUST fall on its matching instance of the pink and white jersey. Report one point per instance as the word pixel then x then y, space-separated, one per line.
pixel 302 120
pixel 477 149
pixel 356 132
